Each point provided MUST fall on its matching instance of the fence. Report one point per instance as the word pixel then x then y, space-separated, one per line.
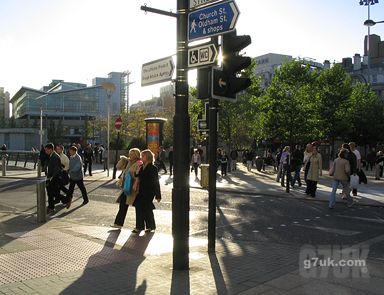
pixel 18 158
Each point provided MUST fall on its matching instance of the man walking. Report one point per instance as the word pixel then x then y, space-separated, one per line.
pixel 76 176
pixel 352 145
pixel 53 174
pixel 88 159
pixel 64 173
pixel 160 159
pixel 170 158
pixel 296 164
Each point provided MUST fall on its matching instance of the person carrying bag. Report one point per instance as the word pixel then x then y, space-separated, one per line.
pixel 129 184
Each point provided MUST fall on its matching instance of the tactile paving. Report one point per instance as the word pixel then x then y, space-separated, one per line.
pixel 57 253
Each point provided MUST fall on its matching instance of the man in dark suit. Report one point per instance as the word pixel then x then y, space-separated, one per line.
pixel 53 176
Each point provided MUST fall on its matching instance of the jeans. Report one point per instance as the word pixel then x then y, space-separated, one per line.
pixel 346 190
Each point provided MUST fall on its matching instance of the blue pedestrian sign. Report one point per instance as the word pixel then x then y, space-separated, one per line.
pixel 212 20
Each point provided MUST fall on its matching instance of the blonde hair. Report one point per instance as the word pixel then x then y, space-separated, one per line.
pixel 148 153
pixel 286 148
pixel 135 152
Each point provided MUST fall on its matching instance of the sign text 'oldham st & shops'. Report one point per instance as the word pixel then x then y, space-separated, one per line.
pixel 212 20
pixel 157 71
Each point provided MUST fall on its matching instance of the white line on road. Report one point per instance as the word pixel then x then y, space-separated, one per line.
pixel 375 220
pixel 342 232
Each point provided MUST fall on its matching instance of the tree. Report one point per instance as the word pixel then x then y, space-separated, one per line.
pixel 366 110
pixel 334 89
pixel 287 109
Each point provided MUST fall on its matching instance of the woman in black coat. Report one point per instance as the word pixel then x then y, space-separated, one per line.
pixel 149 188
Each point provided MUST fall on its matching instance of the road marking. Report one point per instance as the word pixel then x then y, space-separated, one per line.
pixel 375 220
pixel 342 232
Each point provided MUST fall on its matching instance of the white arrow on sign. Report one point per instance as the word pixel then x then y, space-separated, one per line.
pixel 157 71
pixel 202 55
pixel 222 83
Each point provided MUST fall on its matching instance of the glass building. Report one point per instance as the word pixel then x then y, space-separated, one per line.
pixel 72 106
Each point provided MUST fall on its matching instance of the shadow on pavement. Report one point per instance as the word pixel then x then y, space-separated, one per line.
pixel 120 271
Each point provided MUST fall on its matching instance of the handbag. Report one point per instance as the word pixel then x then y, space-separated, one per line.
pixel 64 178
pixel 362 176
pixel 127 186
pixel 354 181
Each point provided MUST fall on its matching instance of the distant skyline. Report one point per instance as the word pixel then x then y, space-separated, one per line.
pixel 75 41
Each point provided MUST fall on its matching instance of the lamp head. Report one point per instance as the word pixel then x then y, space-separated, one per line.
pixel 369 23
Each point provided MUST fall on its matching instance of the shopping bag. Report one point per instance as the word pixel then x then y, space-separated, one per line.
pixel 354 181
pixel 127 186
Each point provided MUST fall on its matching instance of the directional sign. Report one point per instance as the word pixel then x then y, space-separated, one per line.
pixel 202 55
pixel 202 125
pixel 212 20
pixel 196 3
pixel 157 71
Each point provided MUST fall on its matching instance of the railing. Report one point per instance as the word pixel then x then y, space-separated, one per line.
pixel 14 157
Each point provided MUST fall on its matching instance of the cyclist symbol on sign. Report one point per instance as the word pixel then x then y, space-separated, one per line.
pixel 193 58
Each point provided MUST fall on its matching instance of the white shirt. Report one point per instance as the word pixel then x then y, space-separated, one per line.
pixel 64 161
pixel 358 157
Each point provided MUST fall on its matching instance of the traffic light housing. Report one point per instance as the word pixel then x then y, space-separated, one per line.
pixel 225 81
pixel 203 83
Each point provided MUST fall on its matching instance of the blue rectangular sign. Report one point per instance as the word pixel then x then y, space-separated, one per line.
pixel 212 20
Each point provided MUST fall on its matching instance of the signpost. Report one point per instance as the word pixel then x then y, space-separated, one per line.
pixel 203 55
pixel 212 20
pixel 157 71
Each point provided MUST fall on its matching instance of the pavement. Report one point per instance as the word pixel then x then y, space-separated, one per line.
pixel 76 252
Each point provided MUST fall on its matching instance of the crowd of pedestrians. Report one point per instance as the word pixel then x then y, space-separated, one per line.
pixel 69 168
pixel 61 170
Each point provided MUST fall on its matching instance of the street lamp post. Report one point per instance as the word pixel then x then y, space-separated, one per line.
pixel 109 88
pixel 368 3
pixel 39 98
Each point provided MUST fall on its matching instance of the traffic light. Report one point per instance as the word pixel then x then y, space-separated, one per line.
pixel 203 83
pixel 225 81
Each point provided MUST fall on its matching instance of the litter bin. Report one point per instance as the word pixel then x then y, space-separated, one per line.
pixel 204 182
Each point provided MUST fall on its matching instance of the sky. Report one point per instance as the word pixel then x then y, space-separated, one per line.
pixel 77 40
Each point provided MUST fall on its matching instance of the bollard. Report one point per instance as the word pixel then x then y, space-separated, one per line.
pixel 3 166
pixel 204 182
pixel 41 201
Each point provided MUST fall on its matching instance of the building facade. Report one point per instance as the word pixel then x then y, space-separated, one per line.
pixel 68 107
pixel 4 105
pixel 371 71
pixel 165 104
